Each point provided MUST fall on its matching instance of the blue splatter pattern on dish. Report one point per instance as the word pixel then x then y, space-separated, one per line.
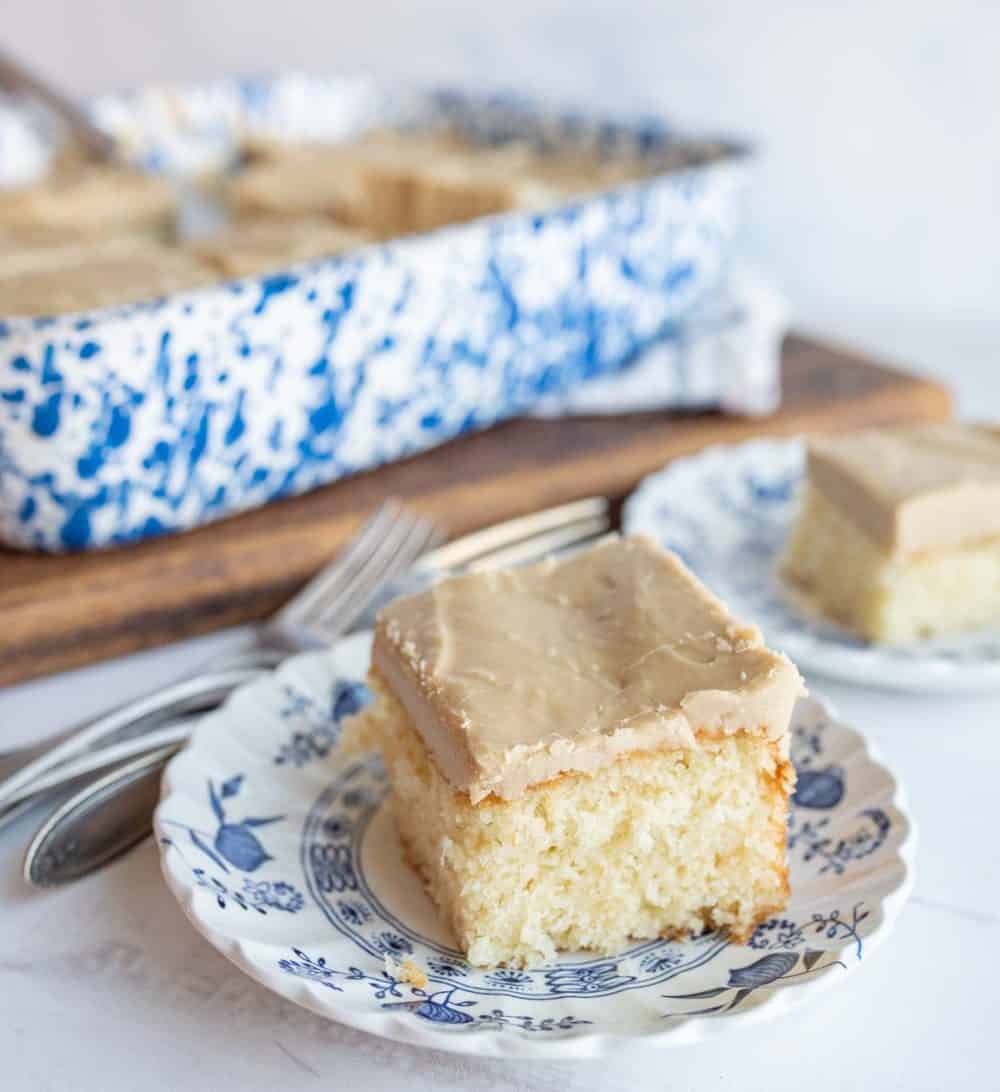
pixel 138 420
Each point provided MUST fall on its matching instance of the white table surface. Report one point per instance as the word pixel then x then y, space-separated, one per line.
pixel 105 986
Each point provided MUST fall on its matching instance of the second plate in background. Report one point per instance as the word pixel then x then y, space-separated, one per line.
pixel 727 511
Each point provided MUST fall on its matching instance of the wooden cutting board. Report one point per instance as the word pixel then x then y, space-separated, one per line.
pixel 61 612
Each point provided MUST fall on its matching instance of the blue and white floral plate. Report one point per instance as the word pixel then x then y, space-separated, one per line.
pixel 283 854
pixel 728 512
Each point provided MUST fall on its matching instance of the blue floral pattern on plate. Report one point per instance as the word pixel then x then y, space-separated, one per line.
pixel 316 727
pixel 337 912
pixel 728 511
pixel 134 421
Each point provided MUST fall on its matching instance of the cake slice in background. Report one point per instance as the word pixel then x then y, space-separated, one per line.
pixel 122 270
pixel 585 752
pixel 298 180
pixel 259 245
pixel 85 200
pixel 898 537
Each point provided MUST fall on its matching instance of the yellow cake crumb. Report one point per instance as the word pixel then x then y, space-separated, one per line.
pixel 408 971
pixel 837 570
pixel 663 843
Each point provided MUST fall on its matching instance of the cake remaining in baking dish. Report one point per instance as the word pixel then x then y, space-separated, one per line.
pixel 399 182
pixel 82 200
pixel 584 752
pixel 267 242
pixel 100 274
pixel 898 536
pixel 290 202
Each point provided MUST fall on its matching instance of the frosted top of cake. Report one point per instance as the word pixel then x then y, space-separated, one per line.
pixel 87 197
pixel 515 677
pixel 914 488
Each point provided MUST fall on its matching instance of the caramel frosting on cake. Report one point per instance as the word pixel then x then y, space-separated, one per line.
pixel 89 199
pixel 515 677
pixel 914 488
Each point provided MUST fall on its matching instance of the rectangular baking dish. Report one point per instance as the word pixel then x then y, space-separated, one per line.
pixel 150 418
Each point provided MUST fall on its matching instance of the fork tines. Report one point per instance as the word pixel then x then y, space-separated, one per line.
pixel 386 547
pixel 525 538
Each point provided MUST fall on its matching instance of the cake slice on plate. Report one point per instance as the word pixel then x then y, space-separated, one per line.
pixel 898 536
pixel 585 752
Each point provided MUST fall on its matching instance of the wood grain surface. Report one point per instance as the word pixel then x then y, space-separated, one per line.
pixel 62 612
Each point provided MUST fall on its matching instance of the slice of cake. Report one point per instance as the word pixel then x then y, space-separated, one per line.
pixel 382 182
pixel 416 181
pixel 584 752
pixel 555 178
pixel 419 184
pixel 396 182
pixel 91 200
pixel 34 250
pixel 258 245
pixel 302 180
pixel 99 275
pixel 898 537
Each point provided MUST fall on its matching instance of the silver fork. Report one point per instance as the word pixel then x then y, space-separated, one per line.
pixel 110 815
pixel 518 540
pixel 387 546
pixel 136 728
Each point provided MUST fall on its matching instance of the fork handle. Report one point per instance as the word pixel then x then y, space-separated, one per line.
pixel 98 824
pixel 97 761
pixel 194 695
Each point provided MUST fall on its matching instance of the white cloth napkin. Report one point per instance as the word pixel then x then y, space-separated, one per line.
pixel 726 354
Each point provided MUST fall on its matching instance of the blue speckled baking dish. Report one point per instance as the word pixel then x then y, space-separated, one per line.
pixel 143 419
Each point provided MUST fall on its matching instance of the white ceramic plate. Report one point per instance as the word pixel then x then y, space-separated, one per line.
pixel 728 511
pixel 283 855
